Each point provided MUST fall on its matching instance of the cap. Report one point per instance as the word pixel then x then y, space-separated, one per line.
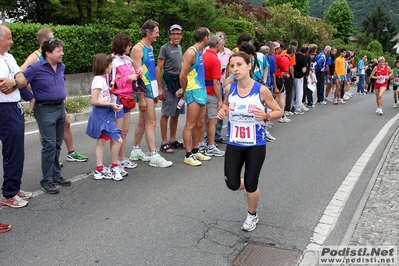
pixel 276 44
pixel 175 26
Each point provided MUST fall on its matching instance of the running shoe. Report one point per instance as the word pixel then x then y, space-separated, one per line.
pixel 250 223
pixel 284 120
pixel 380 112
pixel 201 157
pixel 192 161
pixel 159 161
pixel 299 112
pixel 24 194
pixel 127 164
pixel 138 154
pixel 104 174
pixel 214 152
pixel 5 227
pixel 115 173
pixel 341 101
pixel 304 108
pixel 122 171
pixel 269 137
pixel 202 148
pixel 76 157
pixel 14 202
pixel 323 103
pixel 335 101
pixel 395 105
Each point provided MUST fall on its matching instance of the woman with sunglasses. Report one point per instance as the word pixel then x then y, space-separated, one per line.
pixel 381 75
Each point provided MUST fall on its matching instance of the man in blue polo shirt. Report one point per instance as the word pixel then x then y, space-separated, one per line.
pixel 47 81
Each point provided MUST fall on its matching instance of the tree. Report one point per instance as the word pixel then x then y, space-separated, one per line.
pixel 5 6
pixel 340 16
pixel 302 5
pixel 287 24
pixel 379 26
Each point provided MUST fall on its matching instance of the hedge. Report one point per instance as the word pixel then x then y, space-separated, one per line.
pixel 82 43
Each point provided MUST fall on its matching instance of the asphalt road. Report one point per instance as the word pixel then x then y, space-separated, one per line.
pixel 185 215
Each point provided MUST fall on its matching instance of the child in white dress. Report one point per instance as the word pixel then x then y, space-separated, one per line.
pixel 101 124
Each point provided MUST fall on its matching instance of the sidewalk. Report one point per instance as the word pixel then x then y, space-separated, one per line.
pixel 379 221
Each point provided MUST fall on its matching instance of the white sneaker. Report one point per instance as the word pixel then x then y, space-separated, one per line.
pixel 122 171
pixel 116 174
pixel 395 105
pixel 269 137
pixel 341 101
pixel 328 99
pixel 346 97
pixel 284 120
pixel 250 223
pixel 380 112
pixel 300 112
pixel 159 161
pixel 304 108
pixel 138 154
pixel 127 164
pixel 104 174
pixel 214 152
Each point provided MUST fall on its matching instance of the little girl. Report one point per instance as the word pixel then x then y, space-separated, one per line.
pixel 101 124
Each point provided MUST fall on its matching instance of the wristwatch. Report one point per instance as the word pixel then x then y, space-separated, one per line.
pixel 16 83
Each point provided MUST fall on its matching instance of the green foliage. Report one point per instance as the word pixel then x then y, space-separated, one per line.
pixel 302 5
pixel 288 24
pixel 81 43
pixel 341 17
pixel 360 9
pixel 373 28
pixel 76 104
pixel 375 47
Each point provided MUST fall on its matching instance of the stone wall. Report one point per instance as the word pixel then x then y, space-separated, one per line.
pixel 78 84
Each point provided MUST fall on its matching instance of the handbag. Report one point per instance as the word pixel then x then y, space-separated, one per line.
pixel 127 102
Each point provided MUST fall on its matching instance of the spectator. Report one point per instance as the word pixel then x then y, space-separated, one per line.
pixel 169 60
pixel 12 118
pixel 73 155
pixel 144 62
pixel 192 80
pixel 47 81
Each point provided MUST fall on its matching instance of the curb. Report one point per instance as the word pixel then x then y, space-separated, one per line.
pixel 363 201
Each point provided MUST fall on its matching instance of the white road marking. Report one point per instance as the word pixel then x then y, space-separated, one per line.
pixel 333 210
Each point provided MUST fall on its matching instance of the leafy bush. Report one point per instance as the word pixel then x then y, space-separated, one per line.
pixel 77 104
pixel 82 43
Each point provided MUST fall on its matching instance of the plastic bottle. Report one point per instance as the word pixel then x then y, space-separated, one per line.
pixel 181 103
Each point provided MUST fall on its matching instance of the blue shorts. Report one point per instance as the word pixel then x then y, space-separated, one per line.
pixel 199 96
pixel 122 112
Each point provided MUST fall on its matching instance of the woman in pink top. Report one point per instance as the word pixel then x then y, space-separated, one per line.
pixel 123 75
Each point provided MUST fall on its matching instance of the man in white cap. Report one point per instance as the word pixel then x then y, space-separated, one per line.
pixel 170 61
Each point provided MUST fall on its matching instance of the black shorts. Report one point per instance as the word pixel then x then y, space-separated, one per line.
pixel 280 84
pixel 235 157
